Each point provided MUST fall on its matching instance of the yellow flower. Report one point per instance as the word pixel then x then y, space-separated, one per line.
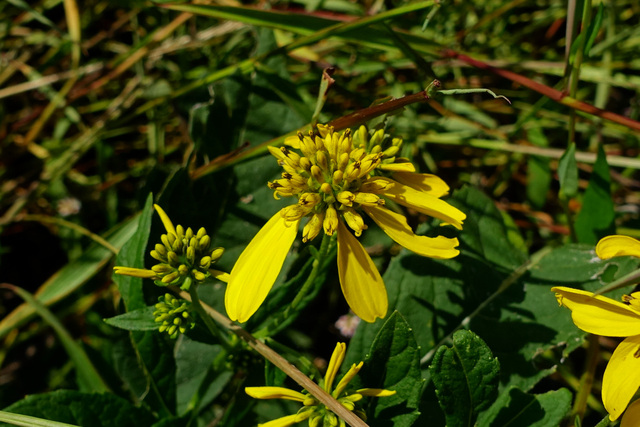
pixel 313 410
pixel 336 177
pixel 185 257
pixel 604 316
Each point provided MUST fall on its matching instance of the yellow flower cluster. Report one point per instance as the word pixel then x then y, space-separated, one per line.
pixel 336 177
pixel 312 410
pixel 604 316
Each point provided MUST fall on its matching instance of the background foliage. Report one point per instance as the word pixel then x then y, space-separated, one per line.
pixel 108 106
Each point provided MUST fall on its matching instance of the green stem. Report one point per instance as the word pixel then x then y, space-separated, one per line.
pixel 586 381
pixel 322 253
pixel 208 321
pixel 278 322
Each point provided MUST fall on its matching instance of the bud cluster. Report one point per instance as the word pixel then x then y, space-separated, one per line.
pixel 184 255
pixel 174 314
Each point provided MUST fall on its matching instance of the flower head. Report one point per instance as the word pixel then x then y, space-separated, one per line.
pixel 605 316
pixel 184 257
pixel 336 177
pixel 174 315
pixel 314 411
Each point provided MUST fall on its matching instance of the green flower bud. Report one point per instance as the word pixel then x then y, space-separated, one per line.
pixel 204 243
pixel 173 258
pixel 201 233
pixel 216 254
pixel 191 254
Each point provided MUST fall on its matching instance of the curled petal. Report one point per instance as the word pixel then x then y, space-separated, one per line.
pixel 396 227
pixel 621 377
pixel 220 275
pixel 631 417
pixel 337 357
pixel 426 182
pixel 376 392
pixel 613 246
pixel 398 167
pixel 424 202
pixel 287 421
pixel 135 272
pixel 597 314
pixel 361 282
pixel 346 379
pixel 258 267
pixel 168 225
pixel 274 393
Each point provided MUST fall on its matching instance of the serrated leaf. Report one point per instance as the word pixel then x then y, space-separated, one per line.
pixel 596 218
pixel 568 172
pixel 392 364
pixel 517 408
pixel 466 378
pixel 494 290
pixel 138 320
pixel 84 409
pixel 132 255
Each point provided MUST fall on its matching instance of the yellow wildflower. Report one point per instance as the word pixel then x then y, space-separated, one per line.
pixel 336 177
pixel 314 411
pixel 185 257
pixel 600 315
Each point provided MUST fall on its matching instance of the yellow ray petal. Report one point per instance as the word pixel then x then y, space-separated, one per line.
pixel 631 417
pixel 258 267
pixel 376 392
pixel 361 283
pixel 396 227
pixel 135 272
pixel 426 182
pixel 168 225
pixel 621 377
pixel 423 202
pixel 612 246
pixel 337 357
pixel 274 393
pixel 346 379
pixel 287 421
pixel 399 167
pixel 597 314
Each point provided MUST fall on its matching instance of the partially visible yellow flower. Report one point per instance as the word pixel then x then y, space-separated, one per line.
pixel 314 411
pixel 336 178
pixel 631 417
pixel 600 315
pixel 185 257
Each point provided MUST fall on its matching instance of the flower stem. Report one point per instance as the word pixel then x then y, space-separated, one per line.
pixel 322 253
pixel 586 381
pixel 280 362
pixel 211 325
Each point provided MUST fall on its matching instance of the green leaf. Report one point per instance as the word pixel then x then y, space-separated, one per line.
pixel 568 172
pixel 392 364
pixel 132 255
pixel 138 320
pixel 594 28
pixel 466 378
pixel 72 276
pixel 493 289
pixel 197 381
pixel 27 421
pixel 517 408
pixel 83 409
pixel 596 218
pixel 539 175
